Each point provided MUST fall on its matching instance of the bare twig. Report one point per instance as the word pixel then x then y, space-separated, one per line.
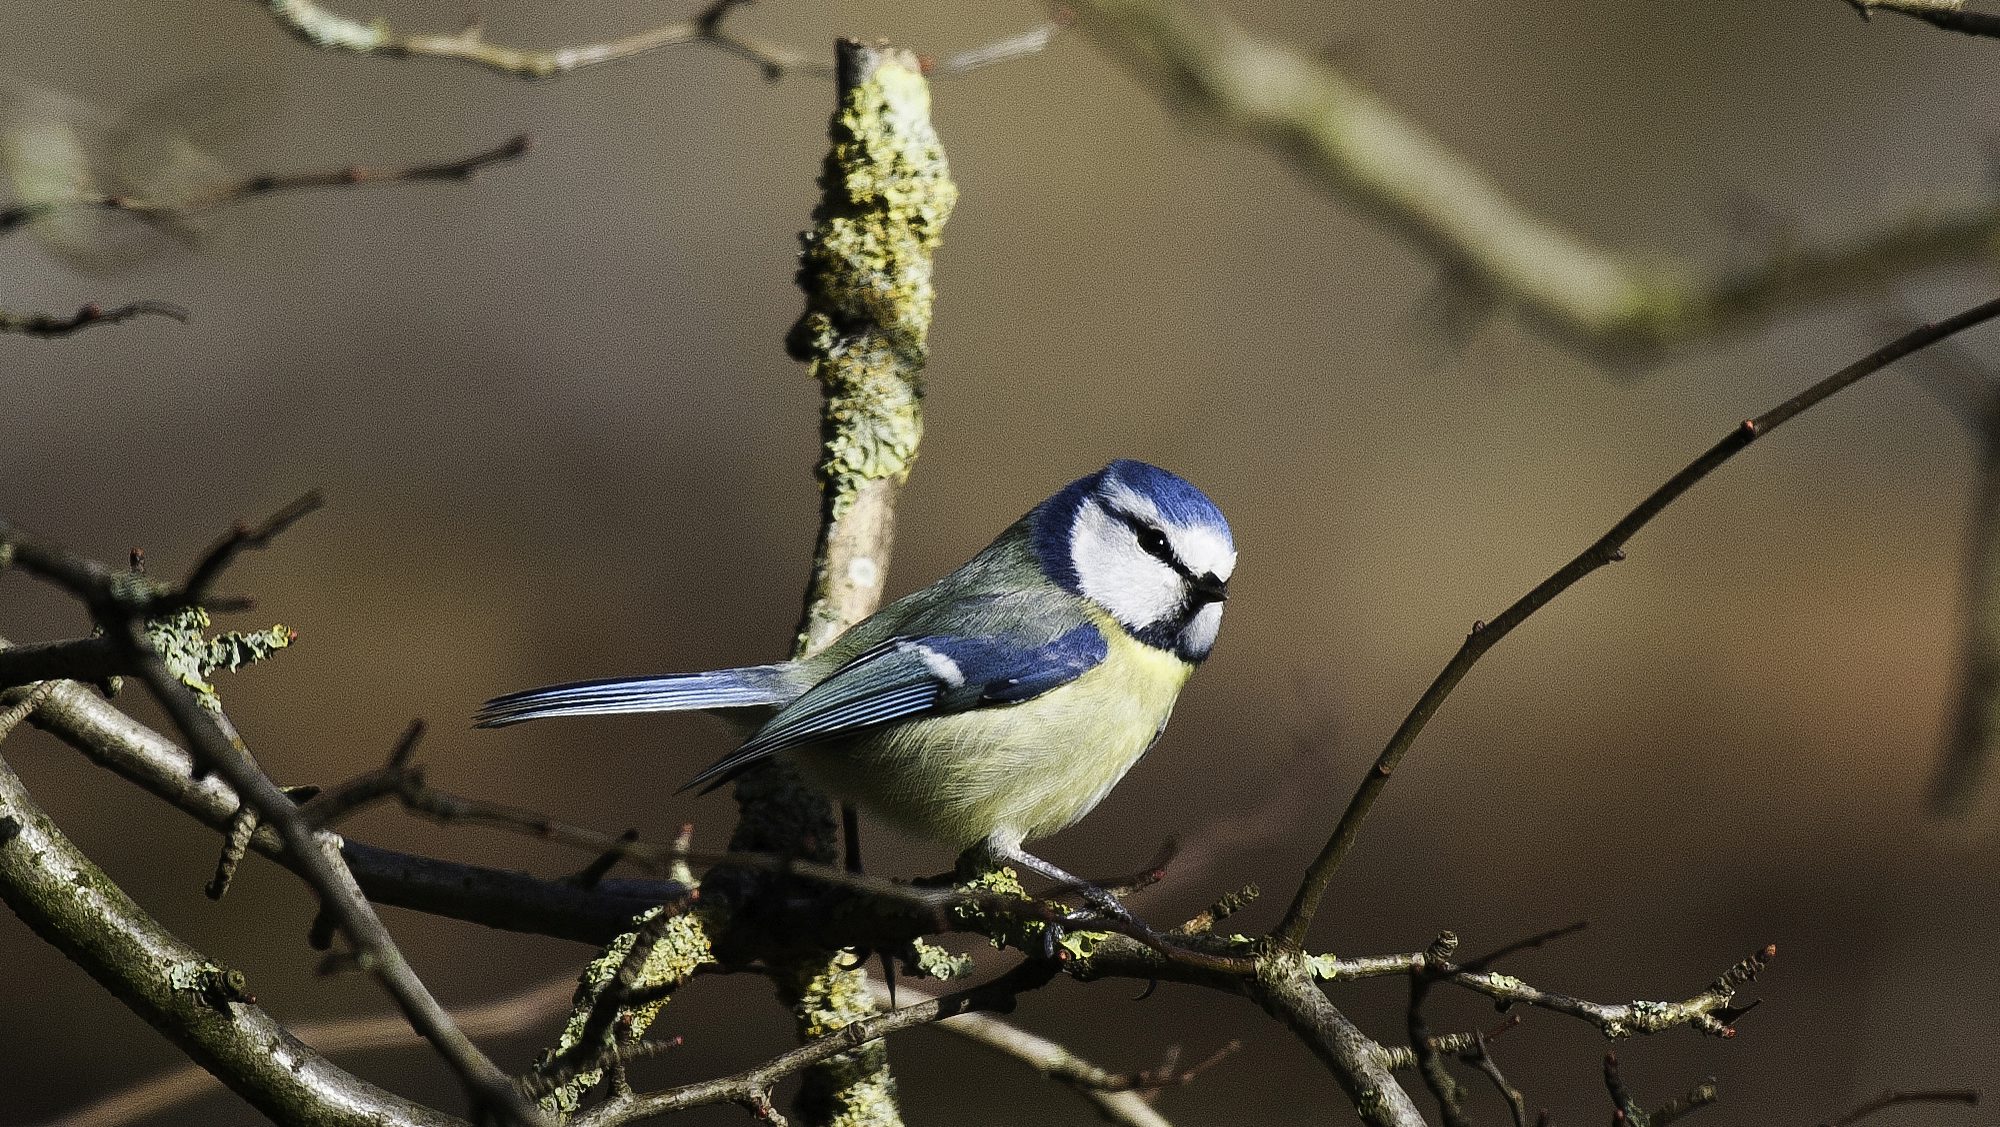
pixel 1479 1057
pixel 1627 1112
pixel 491 897
pixel 1118 1105
pixel 1291 931
pixel 1893 1097
pixel 1951 15
pixel 1030 42
pixel 57 325
pixel 249 187
pixel 314 23
pixel 78 659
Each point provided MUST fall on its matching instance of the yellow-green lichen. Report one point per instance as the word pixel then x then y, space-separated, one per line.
pixel 682 949
pixel 866 272
pixel 191 655
pixel 855 1088
pixel 933 961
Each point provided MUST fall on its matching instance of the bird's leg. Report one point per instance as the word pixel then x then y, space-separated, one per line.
pixel 1101 901
pixel 850 839
pixel 850 835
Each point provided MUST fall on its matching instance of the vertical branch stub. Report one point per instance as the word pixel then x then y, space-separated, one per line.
pixel 865 268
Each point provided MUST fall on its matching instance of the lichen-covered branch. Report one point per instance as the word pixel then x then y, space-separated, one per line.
pixel 866 273
pixel 1349 142
pixel 1709 1011
pixel 753 1087
pixel 122 603
pixel 205 1008
pixel 886 192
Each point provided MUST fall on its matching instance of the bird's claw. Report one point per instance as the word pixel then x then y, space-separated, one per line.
pixel 1100 913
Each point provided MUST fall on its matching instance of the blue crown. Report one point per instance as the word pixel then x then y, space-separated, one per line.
pixel 1177 499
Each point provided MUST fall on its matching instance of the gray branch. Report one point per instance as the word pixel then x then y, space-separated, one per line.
pixel 204 1008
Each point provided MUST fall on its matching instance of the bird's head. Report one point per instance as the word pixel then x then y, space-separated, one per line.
pixel 1150 549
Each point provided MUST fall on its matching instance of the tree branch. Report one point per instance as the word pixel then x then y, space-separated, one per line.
pixel 120 602
pixel 204 1008
pixel 753 1086
pixel 1950 15
pixel 1893 1097
pixel 1351 144
pixel 321 27
pixel 25 213
pixel 177 1085
pixel 1291 931
pixel 56 325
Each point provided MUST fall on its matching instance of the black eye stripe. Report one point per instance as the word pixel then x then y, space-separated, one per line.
pixel 1152 541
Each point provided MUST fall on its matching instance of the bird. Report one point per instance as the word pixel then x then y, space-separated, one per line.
pixel 1001 703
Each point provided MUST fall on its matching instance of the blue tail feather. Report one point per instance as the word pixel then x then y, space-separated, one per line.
pixel 721 688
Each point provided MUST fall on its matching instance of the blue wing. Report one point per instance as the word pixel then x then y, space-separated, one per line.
pixel 908 677
pixel 720 688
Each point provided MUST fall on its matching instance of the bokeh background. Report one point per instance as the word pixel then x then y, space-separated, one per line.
pixel 560 439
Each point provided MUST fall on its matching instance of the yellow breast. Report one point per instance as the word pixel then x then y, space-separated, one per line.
pixel 1017 772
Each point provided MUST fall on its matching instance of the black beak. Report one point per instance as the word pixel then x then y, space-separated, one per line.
pixel 1210 588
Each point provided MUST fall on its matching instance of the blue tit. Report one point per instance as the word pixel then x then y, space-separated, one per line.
pixel 997 705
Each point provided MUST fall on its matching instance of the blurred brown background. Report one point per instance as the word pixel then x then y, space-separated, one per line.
pixel 560 439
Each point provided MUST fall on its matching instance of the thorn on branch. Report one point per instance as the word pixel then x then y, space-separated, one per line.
pixel 590 875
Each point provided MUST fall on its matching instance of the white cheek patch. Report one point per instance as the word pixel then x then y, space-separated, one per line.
pixel 1198 636
pixel 1113 571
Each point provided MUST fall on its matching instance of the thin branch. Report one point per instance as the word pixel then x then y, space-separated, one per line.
pixel 57 325
pixel 20 215
pixel 496 898
pixel 1709 1011
pixel 1291 931
pixel 319 26
pixel 1893 1097
pixel 315 24
pixel 1351 144
pixel 244 538
pixel 1033 41
pixel 1117 1105
pixel 78 659
pixel 1629 1113
pixel 1951 15
pixel 753 1086
pixel 1479 1057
